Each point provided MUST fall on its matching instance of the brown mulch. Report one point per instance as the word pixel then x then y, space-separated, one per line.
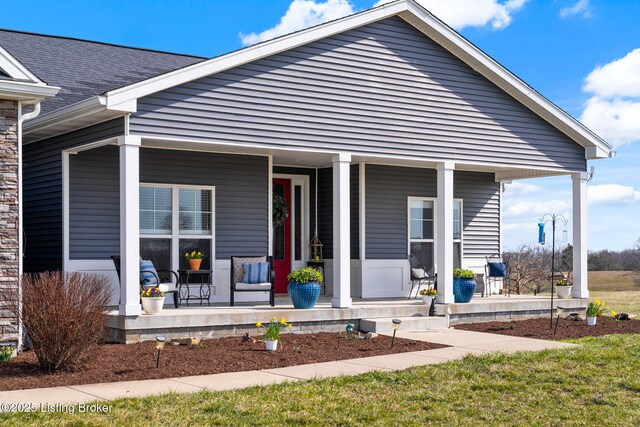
pixel 120 362
pixel 539 328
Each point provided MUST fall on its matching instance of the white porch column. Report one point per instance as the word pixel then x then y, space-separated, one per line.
pixel 444 232
pixel 580 287
pixel 129 226
pixel 341 232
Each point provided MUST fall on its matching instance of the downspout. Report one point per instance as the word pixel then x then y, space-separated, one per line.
pixel 21 119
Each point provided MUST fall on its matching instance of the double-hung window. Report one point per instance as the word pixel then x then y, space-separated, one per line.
pixel 422 231
pixel 175 220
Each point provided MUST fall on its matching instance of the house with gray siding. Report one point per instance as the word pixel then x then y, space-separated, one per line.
pixel 386 132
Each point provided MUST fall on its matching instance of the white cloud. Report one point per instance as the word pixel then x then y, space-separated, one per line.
pixel 472 13
pixel 520 188
pixel 613 110
pixel 615 120
pixel 581 8
pixel 302 14
pixel 612 194
pixel 535 209
pixel 620 78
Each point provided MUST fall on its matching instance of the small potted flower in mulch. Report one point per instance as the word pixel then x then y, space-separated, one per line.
pixel 272 331
pixel 594 310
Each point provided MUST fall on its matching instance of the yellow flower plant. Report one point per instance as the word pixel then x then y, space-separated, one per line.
pixel 595 309
pixel 193 255
pixel 273 330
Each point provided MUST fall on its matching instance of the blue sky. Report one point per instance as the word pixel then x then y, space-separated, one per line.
pixel 584 55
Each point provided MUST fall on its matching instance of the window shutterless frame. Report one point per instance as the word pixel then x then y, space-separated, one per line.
pixel 434 240
pixel 175 235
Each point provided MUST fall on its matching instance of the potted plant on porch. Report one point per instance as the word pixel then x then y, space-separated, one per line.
pixel 563 288
pixel 152 300
pixel 464 284
pixel 304 287
pixel 195 259
pixel 428 295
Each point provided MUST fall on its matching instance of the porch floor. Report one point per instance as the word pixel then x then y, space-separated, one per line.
pixel 221 320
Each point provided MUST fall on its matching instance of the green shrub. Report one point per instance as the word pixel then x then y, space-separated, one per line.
pixel 460 273
pixel 305 275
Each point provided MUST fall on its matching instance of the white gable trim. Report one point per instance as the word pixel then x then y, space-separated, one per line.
pixel 15 69
pixel 27 86
pixel 124 99
pixel 251 53
pixel 503 78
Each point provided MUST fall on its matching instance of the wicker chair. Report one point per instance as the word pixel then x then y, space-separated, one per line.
pixel 237 283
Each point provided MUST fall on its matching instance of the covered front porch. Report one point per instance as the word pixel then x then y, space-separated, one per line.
pixel 365 314
pixel 363 208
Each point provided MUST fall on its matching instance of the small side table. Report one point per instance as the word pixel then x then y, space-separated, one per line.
pixel 319 266
pixel 204 284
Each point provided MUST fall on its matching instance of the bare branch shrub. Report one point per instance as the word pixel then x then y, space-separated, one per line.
pixel 64 315
pixel 528 269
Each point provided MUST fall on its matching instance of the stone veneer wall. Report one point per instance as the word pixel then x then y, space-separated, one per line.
pixel 9 225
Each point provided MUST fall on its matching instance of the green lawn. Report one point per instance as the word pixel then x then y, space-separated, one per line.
pixel 596 384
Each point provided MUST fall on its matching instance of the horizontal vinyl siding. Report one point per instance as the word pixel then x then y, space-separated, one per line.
pixel 42 192
pixel 240 206
pixel 94 204
pixel 387 189
pixel 383 89
pixel 325 211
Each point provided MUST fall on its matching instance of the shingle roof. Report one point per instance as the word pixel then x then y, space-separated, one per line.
pixel 84 68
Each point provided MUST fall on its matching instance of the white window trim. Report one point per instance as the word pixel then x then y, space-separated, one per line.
pixel 175 235
pixel 435 229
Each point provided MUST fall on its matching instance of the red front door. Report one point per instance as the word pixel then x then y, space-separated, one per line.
pixel 282 237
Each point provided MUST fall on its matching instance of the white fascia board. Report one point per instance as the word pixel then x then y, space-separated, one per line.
pixel 25 91
pixel 15 69
pixel 252 53
pixel 592 153
pixel 72 112
pixel 69 114
pixel 489 68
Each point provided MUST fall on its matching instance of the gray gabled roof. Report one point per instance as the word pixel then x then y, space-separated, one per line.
pixel 84 69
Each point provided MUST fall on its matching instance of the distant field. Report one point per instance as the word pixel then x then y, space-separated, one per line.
pixel 617 289
pixel 612 281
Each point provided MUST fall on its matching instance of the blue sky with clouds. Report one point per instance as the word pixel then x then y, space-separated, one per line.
pixel 584 55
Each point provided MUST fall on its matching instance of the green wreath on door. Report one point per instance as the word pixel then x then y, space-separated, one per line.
pixel 280 212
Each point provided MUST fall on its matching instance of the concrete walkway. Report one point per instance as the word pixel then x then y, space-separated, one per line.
pixel 462 343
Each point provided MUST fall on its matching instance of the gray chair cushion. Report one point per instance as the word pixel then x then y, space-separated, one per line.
pixel 252 286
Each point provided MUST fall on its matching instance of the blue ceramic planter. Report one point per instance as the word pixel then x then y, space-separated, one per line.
pixel 463 289
pixel 304 295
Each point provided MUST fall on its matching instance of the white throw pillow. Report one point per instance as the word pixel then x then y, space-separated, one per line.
pixel 419 273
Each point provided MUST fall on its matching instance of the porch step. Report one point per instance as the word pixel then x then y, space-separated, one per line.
pixel 413 323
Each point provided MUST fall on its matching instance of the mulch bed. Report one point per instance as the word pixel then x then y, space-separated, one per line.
pixel 539 328
pixel 120 362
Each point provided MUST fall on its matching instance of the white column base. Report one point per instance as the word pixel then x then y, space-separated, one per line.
pixel 130 310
